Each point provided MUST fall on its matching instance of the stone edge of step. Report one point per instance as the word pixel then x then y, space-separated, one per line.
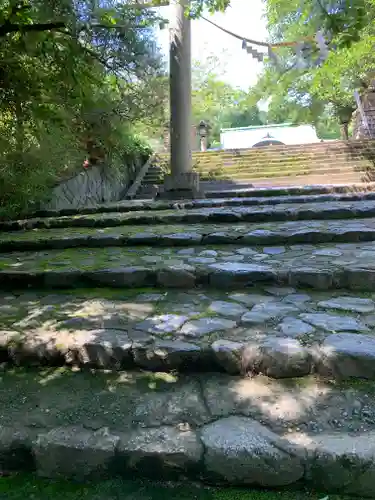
pixel 340 356
pixel 266 199
pixel 252 238
pixel 270 214
pixel 268 192
pixel 225 275
pixel 312 189
pixel 233 450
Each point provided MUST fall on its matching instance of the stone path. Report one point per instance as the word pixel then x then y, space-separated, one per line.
pixel 278 331
pixel 267 233
pixel 280 212
pixel 214 428
pixel 247 327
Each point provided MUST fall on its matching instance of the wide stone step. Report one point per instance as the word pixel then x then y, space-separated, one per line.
pixel 277 331
pixel 286 168
pixel 345 265
pixel 281 212
pixel 272 233
pixel 142 204
pixel 305 178
pixel 269 182
pixel 285 161
pixel 152 179
pixel 219 430
pixel 252 196
pixel 245 191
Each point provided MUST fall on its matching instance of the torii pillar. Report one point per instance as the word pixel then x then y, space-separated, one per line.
pixel 182 181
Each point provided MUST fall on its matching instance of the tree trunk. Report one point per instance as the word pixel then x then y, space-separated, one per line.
pixel 344 130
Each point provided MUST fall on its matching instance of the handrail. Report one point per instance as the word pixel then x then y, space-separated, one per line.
pixel 132 191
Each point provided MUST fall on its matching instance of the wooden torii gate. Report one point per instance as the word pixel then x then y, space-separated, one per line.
pixel 182 181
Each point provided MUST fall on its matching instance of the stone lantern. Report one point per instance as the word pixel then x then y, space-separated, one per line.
pixel 203 134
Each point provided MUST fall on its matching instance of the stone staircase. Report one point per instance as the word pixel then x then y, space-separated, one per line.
pixel 333 162
pixel 228 340
pixel 151 183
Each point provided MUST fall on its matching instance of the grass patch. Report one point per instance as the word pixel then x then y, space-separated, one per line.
pixel 21 487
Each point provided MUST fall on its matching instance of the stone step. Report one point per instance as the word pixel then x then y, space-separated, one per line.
pixel 152 182
pixel 225 189
pixel 272 159
pixel 366 146
pixel 250 170
pixel 279 167
pixel 283 156
pixel 301 177
pixel 259 196
pixel 277 331
pixel 152 179
pixel 146 192
pixel 304 179
pixel 271 233
pixel 154 173
pixel 281 212
pixel 345 265
pixel 278 182
pixel 154 168
pixel 142 204
pixel 217 429
pixel 288 151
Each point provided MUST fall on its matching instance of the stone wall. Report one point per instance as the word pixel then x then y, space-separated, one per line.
pixel 360 130
pixel 94 185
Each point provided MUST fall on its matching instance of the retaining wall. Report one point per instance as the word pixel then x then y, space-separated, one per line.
pixel 94 185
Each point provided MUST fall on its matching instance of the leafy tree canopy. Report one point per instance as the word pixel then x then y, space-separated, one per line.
pixel 197 6
pixel 74 76
pixel 316 90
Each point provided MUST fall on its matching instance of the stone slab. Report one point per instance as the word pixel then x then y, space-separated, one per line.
pixel 334 323
pixel 75 453
pixel 348 355
pixel 353 304
pixel 340 462
pixel 276 357
pixel 163 451
pixel 239 450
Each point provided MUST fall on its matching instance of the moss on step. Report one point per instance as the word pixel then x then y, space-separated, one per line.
pixel 21 487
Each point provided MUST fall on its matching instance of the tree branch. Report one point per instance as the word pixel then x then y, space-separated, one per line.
pixel 91 52
pixel 8 27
